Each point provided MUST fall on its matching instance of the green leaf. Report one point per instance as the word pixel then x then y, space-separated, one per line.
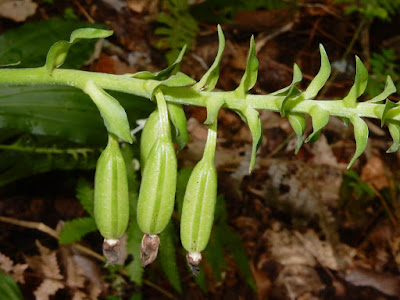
pixel 210 78
pixel 178 119
pixel 250 75
pixel 89 33
pixel 388 106
pixel 30 43
pixel 85 195
pixel 320 117
pixel 319 80
pixel 65 112
pixel 75 229
pixel 9 289
pixel 234 245
pixel 390 88
pixel 59 51
pixel 394 130
pixel 214 254
pixel 167 257
pixel 361 136
pixel 164 74
pixel 360 83
pixel 114 115
pixel 298 123
pixel 255 126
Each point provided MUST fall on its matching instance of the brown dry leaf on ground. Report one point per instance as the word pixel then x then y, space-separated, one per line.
pixel 374 173
pixel 16 271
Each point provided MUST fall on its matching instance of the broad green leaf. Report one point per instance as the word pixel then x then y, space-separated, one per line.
pixel 210 78
pixel 319 80
pixel 360 83
pixel 250 75
pixel 85 195
pixel 361 136
pixel 255 126
pixel 394 130
pixel 16 165
pixel 167 257
pixel 213 107
pixel 31 42
pixel 388 106
pixel 178 119
pixel 320 117
pixel 75 229
pixel 164 74
pixel 63 112
pixel 390 88
pixel 9 289
pixel 298 123
pixel 114 115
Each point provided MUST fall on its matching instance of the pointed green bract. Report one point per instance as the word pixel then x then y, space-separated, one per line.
pixel 164 74
pixel 390 88
pixel 250 75
pixel 320 117
pixel 59 51
pixel 298 123
pixel 254 122
pixel 361 136
pixel 178 119
pixel 210 78
pixel 292 92
pixel 394 130
pixel 389 105
pixel 360 83
pixel 114 115
pixel 319 80
pixel 213 108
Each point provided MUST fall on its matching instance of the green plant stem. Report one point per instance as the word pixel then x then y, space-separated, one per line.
pixel 185 95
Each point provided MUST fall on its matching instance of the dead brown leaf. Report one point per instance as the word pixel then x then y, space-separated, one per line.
pixel 48 288
pixel 374 173
pixel 16 271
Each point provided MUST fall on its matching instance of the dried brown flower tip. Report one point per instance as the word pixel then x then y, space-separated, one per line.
pixel 149 248
pixel 111 251
pixel 193 259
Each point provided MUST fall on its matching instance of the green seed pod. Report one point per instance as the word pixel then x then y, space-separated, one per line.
pixel 157 189
pixel 199 203
pixel 149 136
pixel 111 198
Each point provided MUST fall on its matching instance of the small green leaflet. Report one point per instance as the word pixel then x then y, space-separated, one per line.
pixel 390 88
pixel 59 51
pixel 320 117
pixel 394 130
pixel 256 131
pixel 75 229
pixel 210 78
pixel 114 115
pixel 292 94
pixel 361 136
pixel 298 123
pixel 250 75
pixel 360 83
pixel 319 80
pixel 389 105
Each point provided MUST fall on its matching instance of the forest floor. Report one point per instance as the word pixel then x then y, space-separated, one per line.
pixel 311 229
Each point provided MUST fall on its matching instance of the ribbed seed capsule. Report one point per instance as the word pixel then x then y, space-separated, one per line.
pixel 150 134
pixel 199 203
pixel 111 198
pixel 157 190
